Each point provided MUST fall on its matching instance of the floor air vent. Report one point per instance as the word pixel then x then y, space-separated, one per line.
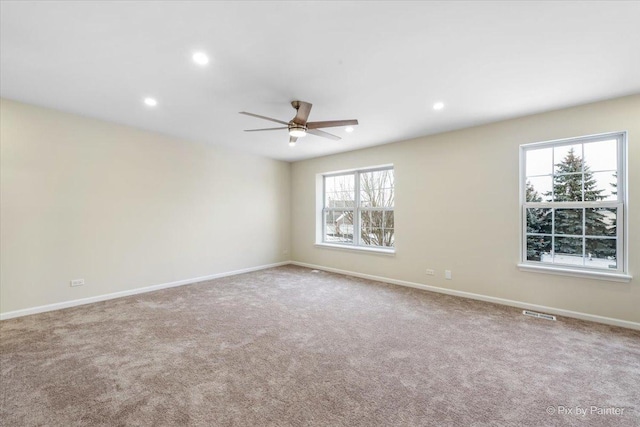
pixel 538 315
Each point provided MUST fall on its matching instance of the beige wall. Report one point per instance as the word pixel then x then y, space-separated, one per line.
pixel 457 208
pixel 124 208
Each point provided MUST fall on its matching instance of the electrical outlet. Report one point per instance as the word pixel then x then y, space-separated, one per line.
pixel 77 282
pixel 431 272
pixel 447 274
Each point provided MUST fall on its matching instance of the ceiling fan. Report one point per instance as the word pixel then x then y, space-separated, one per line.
pixel 299 126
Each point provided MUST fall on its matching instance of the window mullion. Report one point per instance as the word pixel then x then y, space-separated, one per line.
pixel 324 208
pixel 621 189
pixel 620 243
pixel 582 170
pixel 356 211
pixel 553 174
pixel 584 226
pixel 553 235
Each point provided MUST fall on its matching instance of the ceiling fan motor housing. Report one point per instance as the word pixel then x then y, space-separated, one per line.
pixel 297 130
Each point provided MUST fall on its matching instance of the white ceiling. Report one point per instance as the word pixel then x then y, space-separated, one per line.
pixel 384 63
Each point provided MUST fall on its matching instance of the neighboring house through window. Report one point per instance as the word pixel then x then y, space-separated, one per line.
pixel 573 199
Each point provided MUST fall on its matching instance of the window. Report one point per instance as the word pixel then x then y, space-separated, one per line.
pixel 357 208
pixel 573 205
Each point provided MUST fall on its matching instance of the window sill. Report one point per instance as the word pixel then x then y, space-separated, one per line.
pixel 597 275
pixel 377 251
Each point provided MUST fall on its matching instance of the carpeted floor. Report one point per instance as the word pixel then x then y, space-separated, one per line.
pixel 290 347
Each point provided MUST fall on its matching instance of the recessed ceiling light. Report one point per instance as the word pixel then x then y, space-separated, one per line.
pixel 348 129
pixel 150 102
pixel 200 58
pixel 438 106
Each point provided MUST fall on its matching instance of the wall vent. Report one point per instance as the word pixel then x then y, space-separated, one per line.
pixel 538 315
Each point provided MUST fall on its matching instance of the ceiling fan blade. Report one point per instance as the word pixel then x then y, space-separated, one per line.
pixel 331 123
pixel 303 110
pixel 324 134
pixel 263 117
pixel 258 130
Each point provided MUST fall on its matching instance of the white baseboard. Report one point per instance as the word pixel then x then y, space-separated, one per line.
pixel 502 301
pixel 82 301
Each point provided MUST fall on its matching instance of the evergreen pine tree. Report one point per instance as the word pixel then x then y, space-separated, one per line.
pixel 614 185
pixel 538 221
pixel 568 183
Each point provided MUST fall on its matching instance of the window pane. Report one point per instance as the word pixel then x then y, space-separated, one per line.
pixel 601 253
pixel 601 221
pixel 567 158
pixel 568 250
pixel 339 191
pixel 600 186
pixel 371 229
pixel 538 220
pixel 538 189
pixel 338 226
pixel 539 162
pixel 539 248
pixel 601 155
pixel 372 237
pixel 376 198
pixel 568 221
pixel 567 188
pixel 388 220
pixel 376 189
pixel 341 199
pixel 389 228
pixel 377 228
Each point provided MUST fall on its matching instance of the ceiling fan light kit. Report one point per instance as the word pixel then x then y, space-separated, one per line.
pixel 298 131
pixel 299 127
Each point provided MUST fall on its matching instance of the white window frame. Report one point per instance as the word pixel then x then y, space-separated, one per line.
pixel 619 274
pixel 357 209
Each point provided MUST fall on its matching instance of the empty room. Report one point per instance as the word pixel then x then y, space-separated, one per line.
pixel 198 205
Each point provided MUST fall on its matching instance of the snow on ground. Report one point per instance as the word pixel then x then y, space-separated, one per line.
pixel 578 260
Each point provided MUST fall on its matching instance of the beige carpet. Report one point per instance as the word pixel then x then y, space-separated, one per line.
pixel 290 347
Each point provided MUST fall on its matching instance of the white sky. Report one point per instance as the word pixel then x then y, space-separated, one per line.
pixel 600 156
